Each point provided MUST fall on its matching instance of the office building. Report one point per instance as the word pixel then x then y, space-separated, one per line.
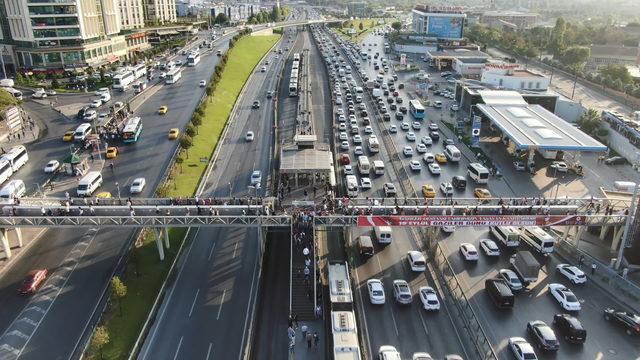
pixel 131 14
pixel 438 22
pixel 160 12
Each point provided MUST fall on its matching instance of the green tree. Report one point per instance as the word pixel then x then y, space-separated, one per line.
pixel 575 56
pixel 100 339
pixel 180 161
pixel 118 291
pixel 196 120
pixel 190 130
pixel 361 26
pixel 615 72
pixel 55 83
pixel 557 44
pixel 589 122
pixel 396 25
pixel 221 19
pixel 186 142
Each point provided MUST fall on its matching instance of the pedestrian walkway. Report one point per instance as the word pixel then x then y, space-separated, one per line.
pixel 28 134
pixel 308 342
pixel 303 269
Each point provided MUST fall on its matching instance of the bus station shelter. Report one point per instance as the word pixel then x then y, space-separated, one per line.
pixel 307 162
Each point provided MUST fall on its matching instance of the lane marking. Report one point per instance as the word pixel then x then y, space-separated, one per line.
pixel 211 251
pixel 424 325
pixel 209 351
pixel 195 298
pixel 224 292
pixel 364 313
pixel 395 325
pixel 178 349
pixel 251 296
pixel 235 250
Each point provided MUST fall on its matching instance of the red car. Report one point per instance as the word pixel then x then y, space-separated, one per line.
pixel 345 159
pixel 33 281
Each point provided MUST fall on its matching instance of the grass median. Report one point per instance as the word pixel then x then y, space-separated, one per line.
pixel 367 26
pixel 145 272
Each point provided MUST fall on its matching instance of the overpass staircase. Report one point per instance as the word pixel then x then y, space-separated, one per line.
pixel 302 289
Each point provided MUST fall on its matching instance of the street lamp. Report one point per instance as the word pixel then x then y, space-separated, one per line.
pixel 627 225
pixel 118 189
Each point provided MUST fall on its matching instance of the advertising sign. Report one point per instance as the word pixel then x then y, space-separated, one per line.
pixel 445 27
pixel 475 131
pixel 470 220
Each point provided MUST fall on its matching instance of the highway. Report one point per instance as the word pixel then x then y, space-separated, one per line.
pixel 209 306
pixel 71 308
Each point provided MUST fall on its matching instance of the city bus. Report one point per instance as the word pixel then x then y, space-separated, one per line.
pixel 416 109
pixel 296 56
pixel 340 294
pixel 123 80
pixel 193 59
pixel 139 70
pixel 293 87
pixel 173 76
pixel 5 170
pixel 16 157
pixel 132 130
pixel 478 173
pixel 508 235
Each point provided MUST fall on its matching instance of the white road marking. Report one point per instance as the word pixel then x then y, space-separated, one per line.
pixel 211 252
pixel 235 249
pixel 364 313
pixel 178 349
pixel 195 298
pixel 424 324
pixel 224 292
pixel 395 325
pixel 209 351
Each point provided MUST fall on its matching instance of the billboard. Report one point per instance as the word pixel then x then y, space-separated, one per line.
pixel 470 220
pixel 445 27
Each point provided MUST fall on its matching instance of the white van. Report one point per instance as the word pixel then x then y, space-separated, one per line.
pixel 384 234
pixel 538 239
pixel 378 167
pixel 363 165
pixel 89 183
pixel 452 153
pixel 82 132
pixel 13 189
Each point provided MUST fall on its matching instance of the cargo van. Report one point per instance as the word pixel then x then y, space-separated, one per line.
pixel 82 131
pixel 13 189
pixel 500 293
pixel 452 153
pixel 384 234
pixel 538 239
pixel 365 246
pixel 89 183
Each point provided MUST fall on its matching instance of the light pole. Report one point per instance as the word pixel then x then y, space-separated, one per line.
pixel 118 189
pixel 627 225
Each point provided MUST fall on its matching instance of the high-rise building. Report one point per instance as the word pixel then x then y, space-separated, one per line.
pixel 160 11
pixel 438 22
pixel 131 14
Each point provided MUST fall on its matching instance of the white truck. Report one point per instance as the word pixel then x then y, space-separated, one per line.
pixel 373 144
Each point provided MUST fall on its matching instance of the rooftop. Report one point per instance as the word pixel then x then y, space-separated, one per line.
pixel 532 126
pixel 473 60
pixel 295 160
pixel 508 13
pixel 612 51
pixel 458 53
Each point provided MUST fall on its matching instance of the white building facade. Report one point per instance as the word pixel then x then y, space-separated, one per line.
pixel 511 76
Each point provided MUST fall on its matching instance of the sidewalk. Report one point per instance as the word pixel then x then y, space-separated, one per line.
pixel 29 134
pixel 301 350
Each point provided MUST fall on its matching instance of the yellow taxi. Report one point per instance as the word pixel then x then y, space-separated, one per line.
pixel 112 152
pixel 440 158
pixel 68 136
pixel 104 195
pixel 174 133
pixel 428 191
pixel 163 110
pixel 482 193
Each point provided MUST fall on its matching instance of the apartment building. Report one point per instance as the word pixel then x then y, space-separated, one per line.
pixel 131 14
pixel 160 12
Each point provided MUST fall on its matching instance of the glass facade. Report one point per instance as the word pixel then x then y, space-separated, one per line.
pixel 54 21
pixel 52 10
pixel 54 33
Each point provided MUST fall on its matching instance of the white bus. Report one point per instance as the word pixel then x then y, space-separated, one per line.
pixel 508 235
pixel 123 80
pixel 293 87
pixel 346 347
pixel 173 76
pixel 538 239
pixel 339 285
pixel 5 170
pixel 193 59
pixel 363 165
pixel 16 157
pixel 352 186
pixel 132 130
pixel 478 173
pixel 139 70
pixel 296 56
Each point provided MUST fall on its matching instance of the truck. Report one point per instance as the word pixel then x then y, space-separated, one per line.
pixel 526 266
pixel 376 93
pixel 373 144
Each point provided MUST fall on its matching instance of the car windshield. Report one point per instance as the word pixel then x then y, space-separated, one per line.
pixel 571 298
pixel 377 292
pixel 530 356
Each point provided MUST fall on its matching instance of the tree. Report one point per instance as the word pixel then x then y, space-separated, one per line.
pixel 186 142
pixel 209 91
pixel 179 161
pixel 119 290
pixel 196 120
pixel 361 26
pixel 589 122
pixel 190 130
pixel 615 72
pixel 557 44
pixel 221 19
pixel 396 25
pixel 100 339
pixel 575 56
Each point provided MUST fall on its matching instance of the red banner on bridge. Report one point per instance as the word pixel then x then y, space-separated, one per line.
pixel 470 220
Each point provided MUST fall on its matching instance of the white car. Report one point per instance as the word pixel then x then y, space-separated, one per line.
pixel 249 136
pixel 511 278
pixel 51 166
pixel 489 247
pixel 137 185
pixel 343 136
pixel 376 291
pixel 263 69
pixel 357 139
pixel 429 298
pixel 405 126
pixel 416 125
pixel 434 168
pixel 358 151
pixel 402 292
pixel 421 148
pixel 416 261
pixel 101 91
pixel 203 83
pixel 388 352
pixel 421 356
pixel 342 118
pixel 448 228
pixel 344 145
pixel 427 140
pixel 560 166
pixel 407 151
pixel 95 103
pixel 342 127
pixel 521 349
pixel 368 130
pixel 411 136
pixel 446 188
pixel 39 94
pixel 565 297
pixel 433 127
pixel 572 273
pixel 415 165
pixel 90 115
pixel 393 129
pixel 348 170
pixel 469 252
pixel 429 158
pixel 454 107
pixel 256 177
pixel 365 183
